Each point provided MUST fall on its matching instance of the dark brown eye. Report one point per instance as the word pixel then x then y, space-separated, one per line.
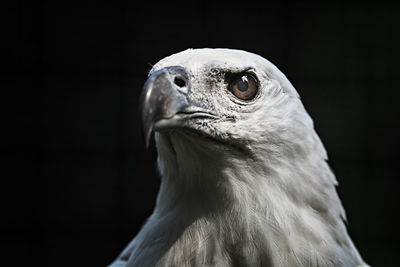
pixel 245 87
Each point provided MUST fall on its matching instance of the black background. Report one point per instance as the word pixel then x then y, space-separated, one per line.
pixel 77 183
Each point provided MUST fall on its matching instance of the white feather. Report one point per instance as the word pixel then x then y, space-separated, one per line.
pixel 272 203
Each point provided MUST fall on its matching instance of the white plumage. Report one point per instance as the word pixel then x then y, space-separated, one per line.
pixel 246 186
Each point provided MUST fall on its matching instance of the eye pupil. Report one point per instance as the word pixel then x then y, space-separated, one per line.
pixel 243 84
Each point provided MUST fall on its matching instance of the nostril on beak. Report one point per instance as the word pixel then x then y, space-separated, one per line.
pixel 180 82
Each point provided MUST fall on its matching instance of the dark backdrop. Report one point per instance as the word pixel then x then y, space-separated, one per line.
pixel 77 183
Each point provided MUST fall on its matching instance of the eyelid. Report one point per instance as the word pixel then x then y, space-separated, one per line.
pixel 248 72
pixel 231 76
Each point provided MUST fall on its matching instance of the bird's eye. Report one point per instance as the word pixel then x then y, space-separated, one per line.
pixel 245 87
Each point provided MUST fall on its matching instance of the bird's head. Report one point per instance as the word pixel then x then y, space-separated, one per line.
pixel 223 112
pixel 229 125
pixel 223 100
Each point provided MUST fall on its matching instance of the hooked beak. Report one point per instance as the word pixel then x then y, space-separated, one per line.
pixel 164 103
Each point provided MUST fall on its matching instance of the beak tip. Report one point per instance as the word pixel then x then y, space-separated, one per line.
pixel 147 136
pixel 147 143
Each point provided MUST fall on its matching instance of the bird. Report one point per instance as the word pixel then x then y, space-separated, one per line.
pixel 244 176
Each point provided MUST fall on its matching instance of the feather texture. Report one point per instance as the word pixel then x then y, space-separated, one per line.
pixel 259 192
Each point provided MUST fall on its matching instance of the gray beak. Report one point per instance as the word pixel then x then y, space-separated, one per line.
pixel 163 96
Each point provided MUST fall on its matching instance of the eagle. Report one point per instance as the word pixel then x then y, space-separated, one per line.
pixel 244 176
